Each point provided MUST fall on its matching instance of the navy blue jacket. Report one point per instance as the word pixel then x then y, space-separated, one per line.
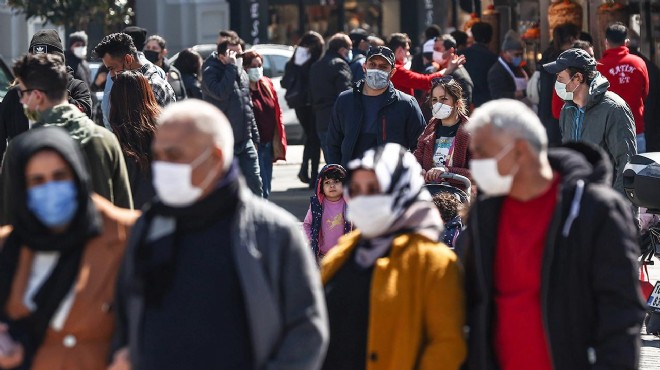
pixel 399 121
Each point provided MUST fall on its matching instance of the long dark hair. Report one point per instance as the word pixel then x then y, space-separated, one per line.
pixel 189 62
pixel 314 41
pixel 133 114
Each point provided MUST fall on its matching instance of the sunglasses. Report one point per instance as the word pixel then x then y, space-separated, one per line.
pixel 385 51
pixel 442 80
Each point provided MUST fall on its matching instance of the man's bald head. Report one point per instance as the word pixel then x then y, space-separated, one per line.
pixel 197 123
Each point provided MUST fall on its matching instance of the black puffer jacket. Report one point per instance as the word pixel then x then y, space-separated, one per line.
pixel 13 121
pixel 591 305
pixel 227 86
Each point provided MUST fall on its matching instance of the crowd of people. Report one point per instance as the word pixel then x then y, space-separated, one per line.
pixel 458 222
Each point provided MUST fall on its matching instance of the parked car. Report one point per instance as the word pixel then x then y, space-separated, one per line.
pixel 6 78
pixel 275 58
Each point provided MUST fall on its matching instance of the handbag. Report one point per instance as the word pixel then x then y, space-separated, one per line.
pixel 644 282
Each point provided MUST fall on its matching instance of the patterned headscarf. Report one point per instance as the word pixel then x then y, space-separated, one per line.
pixel 398 173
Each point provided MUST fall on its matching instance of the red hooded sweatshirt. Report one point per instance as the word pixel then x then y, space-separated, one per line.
pixel 408 81
pixel 628 78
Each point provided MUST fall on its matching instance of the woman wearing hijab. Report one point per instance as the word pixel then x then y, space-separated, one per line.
pixel 443 146
pixel 394 295
pixel 59 260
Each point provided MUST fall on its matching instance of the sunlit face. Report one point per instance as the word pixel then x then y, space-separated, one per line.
pixel 153 45
pixel 117 65
pixel 438 95
pixel 46 166
pixel 332 189
pixel 256 63
pixel 402 53
pixel 378 62
pixel 485 143
pixel 181 142
pixel 363 182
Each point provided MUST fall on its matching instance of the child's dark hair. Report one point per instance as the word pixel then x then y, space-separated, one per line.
pixel 448 205
pixel 335 172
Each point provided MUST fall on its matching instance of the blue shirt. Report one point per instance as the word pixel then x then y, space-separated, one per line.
pixel 368 138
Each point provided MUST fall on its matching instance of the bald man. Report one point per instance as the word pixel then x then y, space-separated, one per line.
pixel 215 278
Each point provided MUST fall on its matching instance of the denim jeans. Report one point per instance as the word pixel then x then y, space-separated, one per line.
pixel 266 166
pixel 248 161
pixel 641 143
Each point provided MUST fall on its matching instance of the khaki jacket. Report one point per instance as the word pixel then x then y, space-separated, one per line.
pixel 417 304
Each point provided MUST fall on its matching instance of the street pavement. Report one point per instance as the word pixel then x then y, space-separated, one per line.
pixel 291 194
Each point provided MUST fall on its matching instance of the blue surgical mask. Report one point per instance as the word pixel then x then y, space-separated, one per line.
pixel 377 79
pixel 517 61
pixel 54 203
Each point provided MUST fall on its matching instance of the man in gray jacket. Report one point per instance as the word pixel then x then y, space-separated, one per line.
pixel 591 113
pixel 225 84
pixel 213 277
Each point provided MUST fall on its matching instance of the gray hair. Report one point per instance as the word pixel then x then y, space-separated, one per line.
pixel 207 119
pixel 512 118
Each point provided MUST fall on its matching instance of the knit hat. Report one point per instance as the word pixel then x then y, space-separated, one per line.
pixel 512 42
pixel 138 34
pixel 46 41
pixel 79 36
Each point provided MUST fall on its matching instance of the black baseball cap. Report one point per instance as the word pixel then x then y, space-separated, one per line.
pixel 382 51
pixel 576 58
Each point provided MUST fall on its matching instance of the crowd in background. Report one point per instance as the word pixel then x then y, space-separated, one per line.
pixel 461 219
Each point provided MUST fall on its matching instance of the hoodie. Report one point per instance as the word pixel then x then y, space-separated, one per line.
pixel 313 223
pixel 590 301
pixel 606 121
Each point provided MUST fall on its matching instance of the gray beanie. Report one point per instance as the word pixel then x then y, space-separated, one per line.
pixel 512 41
pixel 78 36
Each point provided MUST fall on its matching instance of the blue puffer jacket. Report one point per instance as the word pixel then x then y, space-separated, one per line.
pixel 316 205
pixel 399 121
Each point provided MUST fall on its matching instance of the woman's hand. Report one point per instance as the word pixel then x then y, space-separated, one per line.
pixel 433 175
pixel 121 361
pixel 11 352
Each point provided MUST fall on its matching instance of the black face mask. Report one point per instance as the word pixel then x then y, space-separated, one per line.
pixel 151 55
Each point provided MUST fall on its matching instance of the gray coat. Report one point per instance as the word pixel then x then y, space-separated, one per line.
pixel 608 123
pixel 227 86
pixel 281 286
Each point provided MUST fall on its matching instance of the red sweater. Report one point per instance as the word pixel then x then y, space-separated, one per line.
pixel 408 81
pixel 520 340
pixel 628 78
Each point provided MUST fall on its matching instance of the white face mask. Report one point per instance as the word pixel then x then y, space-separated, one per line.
pixel 441 111
pixel 560 88
pixel 255 74
pixel 371 214
pixel 173 181
pixel 488 177
pixel 439 57
pixel 80 52
pixel 301 56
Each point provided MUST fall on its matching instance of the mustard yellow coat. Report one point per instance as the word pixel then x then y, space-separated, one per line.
pixel 417 304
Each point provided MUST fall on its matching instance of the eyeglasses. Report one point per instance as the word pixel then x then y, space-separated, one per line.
pixel 23 92
pixel 442 80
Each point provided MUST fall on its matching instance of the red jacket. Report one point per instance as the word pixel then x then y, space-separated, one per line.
pixel 408 81
pixel 628 78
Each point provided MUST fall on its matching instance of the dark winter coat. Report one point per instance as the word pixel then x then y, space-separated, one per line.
pixel 192 85
pixel 227 86
pixel 316 205
pixel 546 92
pixel 13 121
pixel 500 82
pixel 591 304
pixel 479 59
pixel 80 67
pixel 175 79
pixel 331 75
pixel 399 121
pixel 296 82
